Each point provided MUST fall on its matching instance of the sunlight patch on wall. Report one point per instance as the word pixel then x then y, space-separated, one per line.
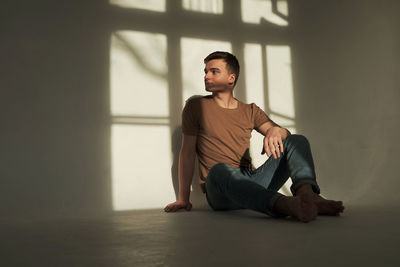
pixel 153 5
pixel 257 11
pixel 279 90
pixel 280 85
pixel 193 52
pixel 141 167
pixel 205 6
pixel 140 133
pixel 138 73
pixel 253 68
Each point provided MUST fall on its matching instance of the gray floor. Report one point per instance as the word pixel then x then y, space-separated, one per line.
pixel 363 236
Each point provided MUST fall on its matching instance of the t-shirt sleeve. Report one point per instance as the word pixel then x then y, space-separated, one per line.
pixel 190 120
pixel 259 116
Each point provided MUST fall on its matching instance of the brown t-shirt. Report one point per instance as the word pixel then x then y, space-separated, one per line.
pixel 223 135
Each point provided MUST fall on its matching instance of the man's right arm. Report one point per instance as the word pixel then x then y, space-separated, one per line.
pixel 187 157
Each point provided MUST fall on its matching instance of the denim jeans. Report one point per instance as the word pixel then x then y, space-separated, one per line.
pixel 229 188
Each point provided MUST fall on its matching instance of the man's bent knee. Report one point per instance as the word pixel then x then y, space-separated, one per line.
pixel 216 171
pixel 298 139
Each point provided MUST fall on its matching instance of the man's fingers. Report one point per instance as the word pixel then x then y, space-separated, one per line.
pixel 276 146
pixel 281 144
pixel 267 150
pixel 272 147
pixel 173 207
pixel 273 152
pixel 167 209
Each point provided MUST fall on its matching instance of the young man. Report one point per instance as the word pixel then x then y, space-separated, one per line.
pixel 218 128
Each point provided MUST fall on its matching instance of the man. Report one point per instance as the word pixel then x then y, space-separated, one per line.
pixel 218 128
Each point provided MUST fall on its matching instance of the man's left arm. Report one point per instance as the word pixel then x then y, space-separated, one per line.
pixel 274 135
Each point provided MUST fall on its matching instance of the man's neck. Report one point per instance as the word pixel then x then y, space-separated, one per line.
pixel 225 99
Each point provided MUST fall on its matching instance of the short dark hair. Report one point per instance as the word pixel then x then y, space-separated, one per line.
pixel 231 62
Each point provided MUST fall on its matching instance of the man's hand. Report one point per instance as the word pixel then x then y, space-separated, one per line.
pixel 172 207
pixel 273 142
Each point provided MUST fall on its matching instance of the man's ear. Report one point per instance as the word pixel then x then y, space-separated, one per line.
pixel 232 78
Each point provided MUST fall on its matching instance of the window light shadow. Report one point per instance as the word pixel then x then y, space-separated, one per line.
pixel 265 11
pixel 138 60
pixel 140 134
pixel 205 6
pixel 156 66
pixel 152 5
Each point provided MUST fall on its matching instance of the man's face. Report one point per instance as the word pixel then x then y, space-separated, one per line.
pixel 217 77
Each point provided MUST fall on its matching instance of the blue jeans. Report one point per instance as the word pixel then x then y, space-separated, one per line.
pixel 230 188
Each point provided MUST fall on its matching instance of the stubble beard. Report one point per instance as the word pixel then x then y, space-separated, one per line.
pixel 215 89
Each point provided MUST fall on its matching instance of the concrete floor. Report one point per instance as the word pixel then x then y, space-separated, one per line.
pixel 363 236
